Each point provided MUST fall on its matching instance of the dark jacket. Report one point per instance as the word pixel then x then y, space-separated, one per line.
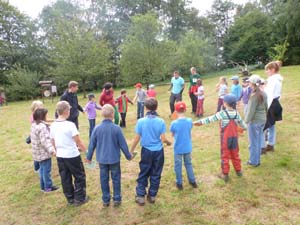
pixel 274 113
pixel 73 101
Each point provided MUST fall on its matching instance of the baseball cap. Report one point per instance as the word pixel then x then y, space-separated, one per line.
pixel 254 79
pixel 180 106
pixel 91 95
pixel 235 77
pixel 230 99
pixel 139 85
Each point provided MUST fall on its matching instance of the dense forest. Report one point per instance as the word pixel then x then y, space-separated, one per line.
pixel 138 40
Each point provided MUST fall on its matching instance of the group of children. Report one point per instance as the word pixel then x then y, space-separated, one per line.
pixel 107 139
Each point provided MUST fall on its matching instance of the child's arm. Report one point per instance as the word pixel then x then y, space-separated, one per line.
pixel 124 146
pixel 91 148
pixel 129 101
pixel 241 122
pixel 209 119
pixel 79 143
pixel 165 140
pixel 135 142
pixel 46 141
pixel 134 99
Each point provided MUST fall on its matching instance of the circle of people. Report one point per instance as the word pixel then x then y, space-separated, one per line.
pixel 262 109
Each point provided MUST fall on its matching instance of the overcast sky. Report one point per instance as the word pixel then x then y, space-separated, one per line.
pixel 34 7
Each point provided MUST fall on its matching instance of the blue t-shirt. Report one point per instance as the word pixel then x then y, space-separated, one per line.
pixel 236 90
pixel 177 84
pixel 181 128
pixel 150 128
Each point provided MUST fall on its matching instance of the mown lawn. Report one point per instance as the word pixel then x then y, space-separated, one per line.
pixel 269 194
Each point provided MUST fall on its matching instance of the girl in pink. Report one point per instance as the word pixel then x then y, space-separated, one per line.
pixel 200 96
pixel 151 92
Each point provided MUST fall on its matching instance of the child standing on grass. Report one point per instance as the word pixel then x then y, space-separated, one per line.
pixel 236 88
pixel 246 92
pixel 108 139
pixel 181 131
pixel 151 92
pixel 90 108
pixel 222 91
pixel 122 102
pixel 200 96
pixel 65 138
pixel 140 97
pixel 42 149
pixel 150 130
pixel 229 118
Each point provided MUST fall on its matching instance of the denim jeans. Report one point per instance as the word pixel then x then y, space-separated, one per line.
pixel 92 123
pixel 115 172
pixel 188 166
pixel 140 110
pixel 255 132
pixel 271 135
pixel 151 166
pixel 45 174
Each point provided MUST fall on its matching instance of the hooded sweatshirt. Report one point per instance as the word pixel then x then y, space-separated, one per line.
pixel 273 87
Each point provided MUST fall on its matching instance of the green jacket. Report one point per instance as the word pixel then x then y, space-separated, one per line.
pixel 256 112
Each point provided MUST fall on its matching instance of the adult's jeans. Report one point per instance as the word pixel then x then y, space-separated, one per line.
pixel 174 98
pixel 115 171
pixel 45 174
pixel 92 123
pixel 255 132
pixel 140 109
pixel 151 166
pixel 271 135
pixel 69 168
pixel 188 166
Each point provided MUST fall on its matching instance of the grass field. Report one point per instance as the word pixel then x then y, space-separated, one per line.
pixel 269 194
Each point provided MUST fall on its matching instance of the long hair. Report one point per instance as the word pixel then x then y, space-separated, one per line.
pixel 258 92
pixel 40 115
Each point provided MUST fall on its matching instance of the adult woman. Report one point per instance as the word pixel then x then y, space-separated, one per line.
pixel 256 119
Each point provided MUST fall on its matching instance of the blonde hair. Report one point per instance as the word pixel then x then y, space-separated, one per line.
pixel 107 111
pixel 272 66
pixel 62 106
pixel 36 105
pixel 223 79
pixel 72 83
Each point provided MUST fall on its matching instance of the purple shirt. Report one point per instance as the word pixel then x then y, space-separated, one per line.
pixel 90 108
pixel 246 92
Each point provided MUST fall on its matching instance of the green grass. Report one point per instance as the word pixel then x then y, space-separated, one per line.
pixel 269 194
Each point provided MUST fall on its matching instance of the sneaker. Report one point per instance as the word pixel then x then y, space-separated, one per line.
pixel 224 177
pixel 79 203
pixel 194 184
pixel 140 200
pixel 105 204
pixel 53 188
pixel 239 173
pixel 117 203
pixel 270 148
pixel 151 199
pixel 179 187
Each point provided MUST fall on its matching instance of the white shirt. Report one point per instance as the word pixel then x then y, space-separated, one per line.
pixel 222 90
pixel 273 87
pixel 63 132
pixel 200 90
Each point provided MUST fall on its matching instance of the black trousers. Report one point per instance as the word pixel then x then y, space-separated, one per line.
pixel 75 121
pixel 193 102
pixel 174 98
pixel 69 168
pixel 123 120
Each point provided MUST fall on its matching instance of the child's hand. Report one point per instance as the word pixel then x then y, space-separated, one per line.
pixel 198 124
pixel 168 143
pixel 133 154
pixel 53 153
pixel 88 161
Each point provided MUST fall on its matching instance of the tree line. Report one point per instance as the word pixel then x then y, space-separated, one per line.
pixel 139 41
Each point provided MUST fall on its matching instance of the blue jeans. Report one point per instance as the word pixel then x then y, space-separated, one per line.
pixel 115 171
pixel 140 110
pixel 271 134
pixel 45 174
pixel 151 166
pixel 188 166
pixel 255 132
pixel 92 123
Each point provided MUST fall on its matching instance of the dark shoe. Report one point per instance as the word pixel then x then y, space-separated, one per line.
pixel 239 173
pixel 53 188
pixel 250 164
pixel 194 184
pixel 270 148
pixel 105 204
pixel 179 187
pixel 117 203
pixel 224 177
pixel 79 203
pixel 140 200
pixel 263 151
pixel 151 199
pixel 71 202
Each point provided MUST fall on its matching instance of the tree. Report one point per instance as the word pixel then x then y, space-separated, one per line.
pixel 145 55
pixel 278 51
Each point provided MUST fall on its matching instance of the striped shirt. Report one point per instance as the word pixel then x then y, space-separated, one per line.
pixel 224 118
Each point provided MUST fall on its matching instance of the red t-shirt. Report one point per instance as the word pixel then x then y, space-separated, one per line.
pixel 151 93
pixel 107 97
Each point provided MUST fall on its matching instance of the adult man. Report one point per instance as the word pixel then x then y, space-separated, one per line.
pixel 177 86
pixel 71 97
pixel 192 89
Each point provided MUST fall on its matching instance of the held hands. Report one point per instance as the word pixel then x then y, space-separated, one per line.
pixel 198 124
pixel 88 161
pixel 133 154
pixel 168 143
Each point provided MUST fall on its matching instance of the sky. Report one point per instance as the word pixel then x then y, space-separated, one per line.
pixel 33 7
